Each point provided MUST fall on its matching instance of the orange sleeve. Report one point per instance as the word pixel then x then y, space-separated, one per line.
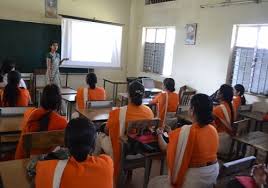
pixel 80 98
pixel 156 99
pixel 57 122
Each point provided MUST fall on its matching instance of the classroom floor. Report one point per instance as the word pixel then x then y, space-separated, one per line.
pixel 138 175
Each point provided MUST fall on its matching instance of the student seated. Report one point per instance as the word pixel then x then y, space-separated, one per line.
pixel 167 101
pixel 7 66
pixel 45 118
pixel 13 95
pixel 191 150
pixel 81 169
pixel 239 98
pixel 90 93
pixel 224 116
pixel 118 120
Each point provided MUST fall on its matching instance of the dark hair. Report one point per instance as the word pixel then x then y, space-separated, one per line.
pixel 169 84
pixel 202 108
pixel 53 42
pixel 91 80
pixel 7 65
pixel 11 91
pixel 240 88
pixel 51 98
pixel 80 138
pixel 136 92
pixel 227 94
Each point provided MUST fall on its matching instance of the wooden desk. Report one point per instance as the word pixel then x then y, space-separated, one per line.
pixel 10 125
pixel 257 116
pixel 13 174
pixel 258 140
pixel 70 100
pixel 115 86
pixel 124 99
pixel 95 115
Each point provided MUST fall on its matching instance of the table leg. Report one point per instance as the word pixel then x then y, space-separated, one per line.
pixel 148 165
pixel 266 162
pixel 256 126
pixel 68 111
pixel 116 90
pixel 104 84
pixel 162 165
pixel 261 125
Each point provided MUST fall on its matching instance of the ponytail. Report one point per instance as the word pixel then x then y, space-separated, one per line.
pixel 10 97
pixel 227 95
pixel 44 122
pixel 240 88
pixel 232 111
pixel 136 92
pixel 11 91
pixel 91 80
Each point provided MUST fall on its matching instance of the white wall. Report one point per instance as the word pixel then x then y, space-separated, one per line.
pixel 203 66
pixel 107 10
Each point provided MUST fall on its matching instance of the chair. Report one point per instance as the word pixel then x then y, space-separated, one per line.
pixel 245 108
pixel 241 127
pixel 186 97
pixel 231 169
pixel 42 141
pixel 99 104
pixel 145 161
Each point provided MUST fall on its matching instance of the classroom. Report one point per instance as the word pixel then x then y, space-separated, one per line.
pixel 134 93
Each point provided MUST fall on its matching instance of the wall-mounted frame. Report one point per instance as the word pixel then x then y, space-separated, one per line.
pixel 51 7
pixel 191 30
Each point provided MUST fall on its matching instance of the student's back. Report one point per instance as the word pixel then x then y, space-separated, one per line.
pixel 45 118
pixel 13 95
pixel 90 93
pixel 82 169
pixel 93 172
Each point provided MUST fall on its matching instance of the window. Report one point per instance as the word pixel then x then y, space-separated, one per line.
pixel 158 50
pixel 250 58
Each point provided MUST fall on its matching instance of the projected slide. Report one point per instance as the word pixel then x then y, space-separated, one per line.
pixel 90 44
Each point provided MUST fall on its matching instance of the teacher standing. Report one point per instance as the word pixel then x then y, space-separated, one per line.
pixel 53 63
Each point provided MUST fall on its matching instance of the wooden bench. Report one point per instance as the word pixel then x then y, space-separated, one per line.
pixel 42 141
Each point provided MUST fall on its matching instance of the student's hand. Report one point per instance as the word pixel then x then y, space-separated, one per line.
pixel 159 131
pixel 260 174
pixel 167 129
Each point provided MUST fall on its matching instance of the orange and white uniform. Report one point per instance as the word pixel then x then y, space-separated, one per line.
pixel 30 124
pixel 191 157
pixel 93 172
pixel 23 99
pixel 222 114
pixel 117 123
pixel 166 102
pixel 86 94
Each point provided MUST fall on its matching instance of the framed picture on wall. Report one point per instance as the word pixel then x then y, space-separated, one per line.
pixel 190 34
pixel 51 7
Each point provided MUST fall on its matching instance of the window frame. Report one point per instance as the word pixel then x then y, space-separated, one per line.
pixel 144 37
pixel 254 59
